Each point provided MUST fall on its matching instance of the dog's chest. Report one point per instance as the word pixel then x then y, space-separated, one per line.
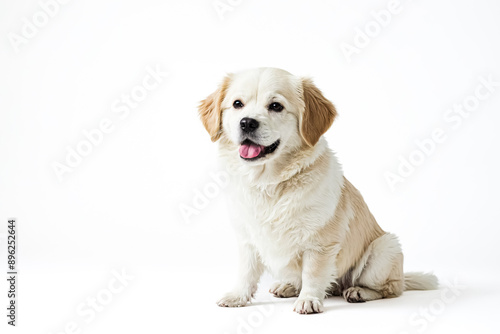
pixel 282 224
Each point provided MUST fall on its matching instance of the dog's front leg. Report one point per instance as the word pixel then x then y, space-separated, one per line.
pixel 318 273
pixel 250 270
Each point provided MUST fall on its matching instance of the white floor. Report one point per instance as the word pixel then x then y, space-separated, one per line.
pixel 184 302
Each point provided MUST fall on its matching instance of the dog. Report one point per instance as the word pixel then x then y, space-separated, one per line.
pixel 298 216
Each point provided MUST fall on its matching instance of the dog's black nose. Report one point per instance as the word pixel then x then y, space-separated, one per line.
pixel 249 124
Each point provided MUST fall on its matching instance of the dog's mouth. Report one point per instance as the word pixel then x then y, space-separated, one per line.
pixel 251 151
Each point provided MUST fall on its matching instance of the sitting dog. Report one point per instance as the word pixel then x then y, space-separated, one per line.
pixel 299 217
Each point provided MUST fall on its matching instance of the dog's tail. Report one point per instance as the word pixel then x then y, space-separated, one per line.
pixel 420 281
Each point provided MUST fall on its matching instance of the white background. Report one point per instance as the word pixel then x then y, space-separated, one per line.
pixel 119 208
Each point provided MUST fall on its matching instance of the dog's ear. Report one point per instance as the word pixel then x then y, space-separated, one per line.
pixel 211 112
pixel 318 115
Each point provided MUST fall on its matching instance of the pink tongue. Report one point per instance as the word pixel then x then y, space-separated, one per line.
pixel 249 151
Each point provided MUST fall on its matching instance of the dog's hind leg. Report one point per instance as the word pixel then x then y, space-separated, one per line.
pixel 379 273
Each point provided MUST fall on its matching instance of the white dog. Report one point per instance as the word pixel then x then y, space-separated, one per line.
pixel 299 217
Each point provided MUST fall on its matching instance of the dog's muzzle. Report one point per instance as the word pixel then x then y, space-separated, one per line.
pixel 252 151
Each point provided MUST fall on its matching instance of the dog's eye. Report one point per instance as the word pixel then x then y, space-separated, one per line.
pixel 275 106
pixel 237 104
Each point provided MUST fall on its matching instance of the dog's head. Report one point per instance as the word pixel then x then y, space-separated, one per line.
pixel 266 112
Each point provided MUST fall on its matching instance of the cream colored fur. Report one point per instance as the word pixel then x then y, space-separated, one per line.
pixel 297 215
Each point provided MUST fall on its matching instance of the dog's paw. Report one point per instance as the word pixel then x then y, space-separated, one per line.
pixel 233 299
pixel 283 290
pixel 308 305
pixel 354 294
